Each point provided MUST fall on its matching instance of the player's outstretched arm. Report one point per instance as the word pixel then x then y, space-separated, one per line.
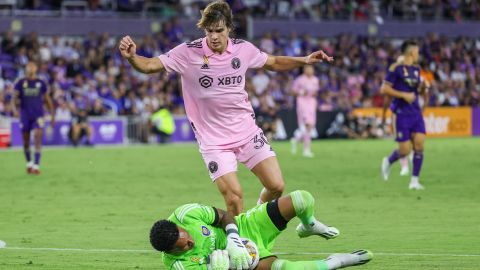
pixel 285 63
pixel 128 49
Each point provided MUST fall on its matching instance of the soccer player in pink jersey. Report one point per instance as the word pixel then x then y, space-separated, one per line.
pixel 305 87
pixel 213 71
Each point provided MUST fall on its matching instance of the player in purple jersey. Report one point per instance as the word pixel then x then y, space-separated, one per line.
pixel 30 94
pixel 213 71
pixel 404 85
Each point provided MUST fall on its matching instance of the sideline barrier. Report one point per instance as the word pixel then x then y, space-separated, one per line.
pixel 440 121
pixel 476 121
pixel 104 131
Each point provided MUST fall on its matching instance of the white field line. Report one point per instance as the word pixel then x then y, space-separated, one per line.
pixel 278 253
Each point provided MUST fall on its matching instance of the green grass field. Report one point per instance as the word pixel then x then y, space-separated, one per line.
pixel 93 208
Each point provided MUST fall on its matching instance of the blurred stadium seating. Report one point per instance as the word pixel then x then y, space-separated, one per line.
pixel 311 9
pixel 87 72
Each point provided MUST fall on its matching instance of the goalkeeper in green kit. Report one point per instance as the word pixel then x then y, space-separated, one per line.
pixel 200 237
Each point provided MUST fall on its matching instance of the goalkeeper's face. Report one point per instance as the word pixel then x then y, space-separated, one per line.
pixel 183 244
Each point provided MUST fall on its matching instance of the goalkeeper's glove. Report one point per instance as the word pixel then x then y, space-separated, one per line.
pixel 239 256
pixel 218 260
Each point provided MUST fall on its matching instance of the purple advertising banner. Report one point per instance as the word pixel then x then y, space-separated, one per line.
pixel 103 132
pixel 183 130
pixel 476 121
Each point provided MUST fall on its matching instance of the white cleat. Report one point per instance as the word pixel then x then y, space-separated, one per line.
pixel 308 154
pixel 385 168
pixel 405 171
pixel 415 186
pixel 293 144
pixel 358 257
pixel 330 233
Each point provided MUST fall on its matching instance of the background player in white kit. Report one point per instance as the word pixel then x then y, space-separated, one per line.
pixel 213 71
pixel 305 88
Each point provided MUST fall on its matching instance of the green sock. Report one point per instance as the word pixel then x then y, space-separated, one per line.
pixel 304 204
pixel 279 264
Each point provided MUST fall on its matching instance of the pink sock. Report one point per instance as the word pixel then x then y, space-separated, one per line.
pixel 259 201
pixel 306 141
pixel 298 136
pixel 404 162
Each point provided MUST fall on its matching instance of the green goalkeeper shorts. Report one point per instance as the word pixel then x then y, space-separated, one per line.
pixel 257 226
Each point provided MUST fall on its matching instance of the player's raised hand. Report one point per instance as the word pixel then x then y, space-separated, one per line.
pixel 127 47
pixel 409 97
pixel 317 57
pixel 218 260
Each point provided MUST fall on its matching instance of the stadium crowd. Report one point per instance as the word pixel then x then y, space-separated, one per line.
pixel 89 74
pixel 457 10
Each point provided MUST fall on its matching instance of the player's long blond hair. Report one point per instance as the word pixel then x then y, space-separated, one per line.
pixel 214 13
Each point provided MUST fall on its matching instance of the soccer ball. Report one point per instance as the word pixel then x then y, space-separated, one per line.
pixel 253 251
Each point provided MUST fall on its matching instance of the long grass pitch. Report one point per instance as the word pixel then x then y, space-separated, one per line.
pixel 93 208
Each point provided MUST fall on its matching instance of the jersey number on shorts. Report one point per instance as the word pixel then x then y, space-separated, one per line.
pixel 259 140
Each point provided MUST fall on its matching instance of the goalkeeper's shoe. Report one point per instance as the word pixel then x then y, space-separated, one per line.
pixel 358 257
pixel 317 229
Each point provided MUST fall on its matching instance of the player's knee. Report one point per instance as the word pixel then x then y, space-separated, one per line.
pixel 418 152
pixel 232 196
pixel 418 147
pixel 302 200
pixel 403 152
pixel 277 188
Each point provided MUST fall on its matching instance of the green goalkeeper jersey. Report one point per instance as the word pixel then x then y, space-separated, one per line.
pixel 197 220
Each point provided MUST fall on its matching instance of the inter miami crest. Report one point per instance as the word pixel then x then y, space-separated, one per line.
pixel 235 63
pixel 212 166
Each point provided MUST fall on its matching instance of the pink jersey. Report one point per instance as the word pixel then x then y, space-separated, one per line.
pixel 213 87
pixel 306 88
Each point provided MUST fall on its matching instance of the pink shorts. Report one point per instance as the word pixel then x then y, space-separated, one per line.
pixel 221 162
pixel 307 115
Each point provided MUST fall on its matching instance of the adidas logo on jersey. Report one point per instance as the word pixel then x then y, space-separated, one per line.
pixel 205 63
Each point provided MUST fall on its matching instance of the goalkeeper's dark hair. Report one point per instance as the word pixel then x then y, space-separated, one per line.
pixel 163 235
pixel 214 13
pixel 407 44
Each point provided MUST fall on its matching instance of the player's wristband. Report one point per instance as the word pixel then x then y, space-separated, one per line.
pixel 232 230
